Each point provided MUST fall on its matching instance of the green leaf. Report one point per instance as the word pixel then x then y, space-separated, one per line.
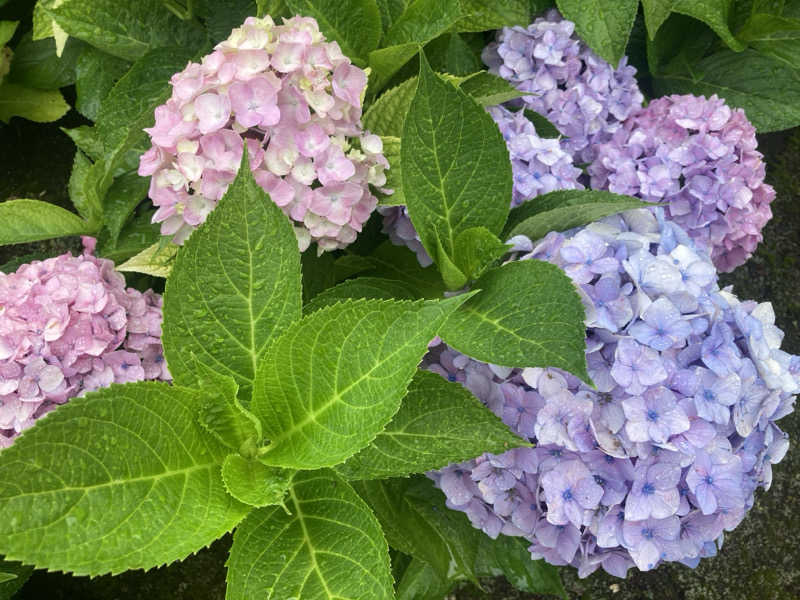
pixel 450 53
pixel 385 62
pixel 85 138
pixel 234 287
pixel 127 30
pixel 20 573
pixel 544 127
pixel 95 74
pixel 253 482
pixel 604 26
pixel 222 415
pixel 394 176
pixel 438 423
pixel 421 582
pixel 318 273
pixel 7 29
pixel 123 478
pixel 489 89
pixel 388 113
pixel 766 88
pixel 139 234
pixel 327 546
pixel 482 16
pixel 7 577
pixel 456 170
pixel 15 263
pixel 375 288
pixel 565 209
pixel 222 16
pixel 391 11
pixel 156 260
pixel 527 315
pixel 273 8
pixel 42 106
pixel 655 13
pixel 84 203
pixel 715 14
pixel 454 278
pixel 509 556
pixel 477 248
pixel 773 35
pixel 34 220
pixel 328 385
pixel 36 65
pixel 121 200
pixel 400 263
pixel 354 24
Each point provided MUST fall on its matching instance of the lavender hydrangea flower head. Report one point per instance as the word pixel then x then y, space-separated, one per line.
pixel 664 454
pixel 539 165
pixel 295 101
pixel 567 82
pixel 699 156
pixel 69 326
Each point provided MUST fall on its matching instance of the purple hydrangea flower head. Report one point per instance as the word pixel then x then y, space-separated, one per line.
pixel 665 453
pixel 294 100
pixel 584 97
pixel 69 326
pixel 699 157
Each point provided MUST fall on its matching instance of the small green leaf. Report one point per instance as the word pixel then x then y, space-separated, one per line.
pixel 127 30
pixel 453 277
pixel 528 314
pixel 388 113
pixel 456 170
pixel 34 220
pixel 95 74
pixel 123 478
pixel 476 249
pixel 362 287
pixel 157 260
pixel 604 26
pixel 394 176
pixel 222 415
pixel 354 24
pixel 234 287
pixel 328 385
pixel 328 546
pixel 544 127
pixel 254 483
pixel 565 209
pixel 765 87
pixel 42 106
pixel 482 16
pixel 438 423
pixel 489 89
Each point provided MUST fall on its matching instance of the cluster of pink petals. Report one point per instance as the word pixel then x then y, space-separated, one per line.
pixel 699 156
pixel 69 326
pixel 295 100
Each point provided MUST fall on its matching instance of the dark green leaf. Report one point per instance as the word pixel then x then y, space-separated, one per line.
pixel 121 200
pixel 603 25
pixel 86 204
pixel 318 273
pixel 655 13
pixel 354 24
pixel 391 11
pixel 235 286
pixel 400 263
pixel 362 287
pixel 95 74
pixel 565 209
pixel 510 557
pixel 222 16
pixel 34 220
pixel 327 546
pixel 489 89
pixel 21 574
pixel 438 423
pixel 15 263
pixel 253 482
pixel 715 14
pixel 36 65
pixel 123 478
pixel 482 16
pixel 421 582
pixel 765 87
pixel 773 35
pixel 528 314
pixel 456 170
pixel 449 53
pixel 544 127
pixel 140 233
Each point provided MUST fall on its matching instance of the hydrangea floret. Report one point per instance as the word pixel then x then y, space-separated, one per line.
pixel 665 454
pixel 295 101
pixel 584 97
pixel 539 165
pixel 699 157
pixel 69 326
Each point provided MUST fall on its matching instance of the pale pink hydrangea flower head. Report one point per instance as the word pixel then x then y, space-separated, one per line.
pixel 69 326
pixel 295 100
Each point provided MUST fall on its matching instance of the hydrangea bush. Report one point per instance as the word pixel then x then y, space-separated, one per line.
pixel 699 157
pixel 68 326
pixel 665 454
pixel 295 101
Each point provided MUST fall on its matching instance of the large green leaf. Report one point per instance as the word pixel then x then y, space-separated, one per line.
pixel 765 87
pixel 34 220
pixel 235 285
pixel 123 478
pixel 326 546
pixel 95 74
pixel 127 30
pixel 438 423
pixel 456 170
pixel 565 209
pixel 528 314
pixel 328 385
pixel 36 65
pixel 714 13
pixel 354 24
pixel 605 26
pixel 42 106
pixel 773 35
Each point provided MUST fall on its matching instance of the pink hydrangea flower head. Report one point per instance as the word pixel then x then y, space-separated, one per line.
pixel 699 157
pixel 295 101
pixel 69 326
